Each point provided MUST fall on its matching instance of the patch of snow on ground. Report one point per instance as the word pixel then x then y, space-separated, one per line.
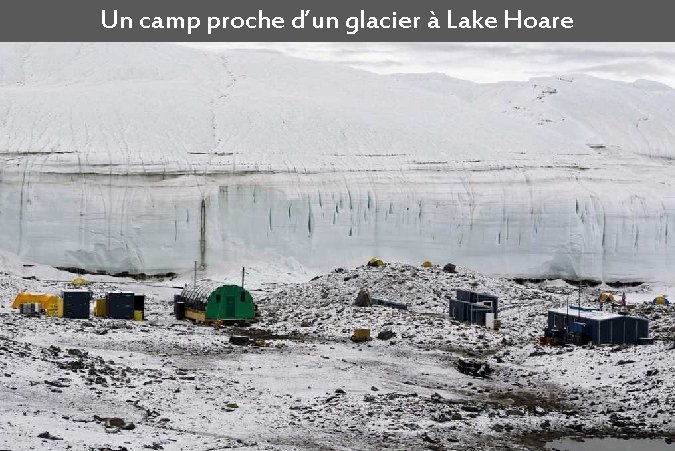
pixel 304 385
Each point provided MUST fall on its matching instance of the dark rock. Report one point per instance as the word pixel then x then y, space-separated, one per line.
pixel 471 408
pixel 240 340
pixel 437 398
pixel 541 411
pixel 441 418
pixel 625 362
pixel 72 365
pixel 363 299
pixel 428 439
pixel 48 436
pixel 449 267
pixel 473 368
pixel 386 334
pixel 115 422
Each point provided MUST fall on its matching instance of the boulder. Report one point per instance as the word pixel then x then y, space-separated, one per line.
pixel 239 340
pixel 449 267
pixel 48 436
pixel 473 368
pixel 386 334
pixel 363 299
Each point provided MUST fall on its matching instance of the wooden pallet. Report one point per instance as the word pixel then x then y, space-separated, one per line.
pixel 199 317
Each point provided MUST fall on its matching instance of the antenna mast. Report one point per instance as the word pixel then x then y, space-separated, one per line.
pixel 579 301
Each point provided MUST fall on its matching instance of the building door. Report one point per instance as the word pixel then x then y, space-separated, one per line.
pixel 230 307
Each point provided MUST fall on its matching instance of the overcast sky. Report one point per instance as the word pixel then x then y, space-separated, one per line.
pixel 487 62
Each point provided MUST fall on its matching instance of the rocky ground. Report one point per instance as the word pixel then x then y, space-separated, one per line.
pixel 297 381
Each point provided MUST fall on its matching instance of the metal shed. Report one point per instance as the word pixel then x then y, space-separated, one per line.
pixel 599 327
pixel 473 307
pixel 217 301
pixel 120 304
pixel 76 303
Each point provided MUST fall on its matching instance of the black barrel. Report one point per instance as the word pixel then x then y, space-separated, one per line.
pixel 179 310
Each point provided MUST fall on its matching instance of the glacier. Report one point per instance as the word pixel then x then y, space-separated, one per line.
pixel 144 158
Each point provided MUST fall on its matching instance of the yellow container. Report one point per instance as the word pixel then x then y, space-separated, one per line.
pixel 59 308
pixel 138 315
pixel 361 335
pixel 100 308
pixel 426 264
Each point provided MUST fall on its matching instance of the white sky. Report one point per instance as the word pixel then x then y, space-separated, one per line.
pixel 488 62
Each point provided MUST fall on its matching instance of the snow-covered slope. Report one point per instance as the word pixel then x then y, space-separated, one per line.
pixel 628 118
pixel 146 157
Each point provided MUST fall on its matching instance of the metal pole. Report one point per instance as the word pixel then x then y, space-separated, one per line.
pixel 579 302
pixel 567 305
pixel 567 318
pixel 243 272
pixel 195 278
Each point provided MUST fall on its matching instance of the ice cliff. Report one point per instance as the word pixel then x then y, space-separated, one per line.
pixel 147 157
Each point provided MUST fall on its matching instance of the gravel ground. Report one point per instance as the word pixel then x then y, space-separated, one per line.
pixel 301 383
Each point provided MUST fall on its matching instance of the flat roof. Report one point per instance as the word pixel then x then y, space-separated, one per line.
pixel 587 313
